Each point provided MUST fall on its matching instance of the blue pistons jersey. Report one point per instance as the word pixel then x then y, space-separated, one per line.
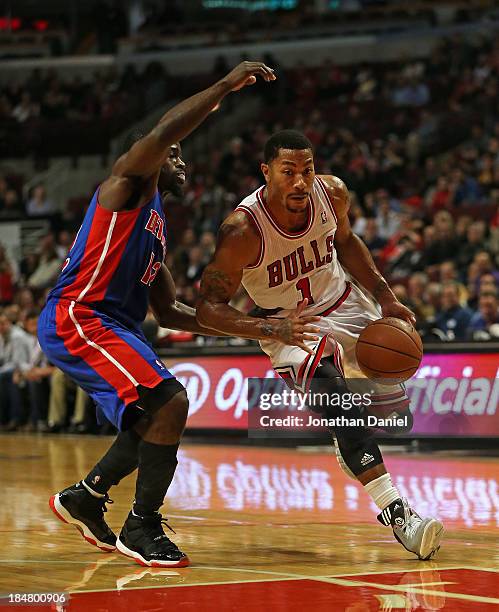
pixel 114 260
pixel 91 325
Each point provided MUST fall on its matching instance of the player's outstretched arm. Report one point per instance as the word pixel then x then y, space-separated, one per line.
pixel 170 313
pixel 135 174
pixel 355 257
pixel 221 279
pixel 148 154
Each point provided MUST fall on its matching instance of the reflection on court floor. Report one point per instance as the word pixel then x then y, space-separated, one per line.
pixel 283 529
pixel 282 481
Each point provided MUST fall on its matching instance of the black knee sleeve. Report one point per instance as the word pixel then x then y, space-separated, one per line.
pixel 327 369
pixel 150 401
pixel 356 444
pixel 359 451
pixel 153 399
pixel 327 380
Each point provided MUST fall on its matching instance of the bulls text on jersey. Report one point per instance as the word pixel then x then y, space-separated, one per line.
pixel 295 263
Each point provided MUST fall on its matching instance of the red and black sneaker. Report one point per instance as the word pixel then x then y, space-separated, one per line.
pixel 76 506
pixel 143 539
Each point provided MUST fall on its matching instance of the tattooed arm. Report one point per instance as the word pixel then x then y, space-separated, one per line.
pixel 221 280
pixel 171 313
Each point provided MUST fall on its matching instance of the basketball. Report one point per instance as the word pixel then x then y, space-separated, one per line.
pixel 389 350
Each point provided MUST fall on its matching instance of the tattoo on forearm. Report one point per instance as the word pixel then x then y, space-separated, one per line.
pixel 380 288
pixel 267 329
pixel 215 286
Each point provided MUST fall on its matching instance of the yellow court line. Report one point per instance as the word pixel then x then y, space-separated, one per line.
pixel 485 569
pixel 424 584
pixel 386 587
pixel 171 586
pixel 288 576
pixel 273 577
pixel 338 581
pixel 365 573
pixel 403 589
pixel 426 568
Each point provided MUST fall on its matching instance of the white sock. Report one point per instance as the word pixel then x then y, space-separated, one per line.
pixel 382 491
pixel 91 491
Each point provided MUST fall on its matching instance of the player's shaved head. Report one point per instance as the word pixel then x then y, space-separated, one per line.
pixel 129 140
pixel 285 139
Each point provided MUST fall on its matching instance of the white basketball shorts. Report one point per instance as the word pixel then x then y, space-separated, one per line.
pixel 340 326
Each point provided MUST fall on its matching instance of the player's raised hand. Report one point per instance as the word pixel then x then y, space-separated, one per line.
pixel 246 73
pixel 296 328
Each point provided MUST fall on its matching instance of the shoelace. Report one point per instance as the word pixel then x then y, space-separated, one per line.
pixel 100 506
pixel 156 523
pixel 412 520
pixel 412 526
pixel 166 524
pixel 106 500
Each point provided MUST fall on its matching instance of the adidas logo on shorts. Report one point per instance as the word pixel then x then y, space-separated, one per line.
pixel 367 458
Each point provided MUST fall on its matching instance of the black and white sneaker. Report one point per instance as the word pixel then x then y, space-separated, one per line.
pixel 76 506
pixel 143 539
pixel 420 536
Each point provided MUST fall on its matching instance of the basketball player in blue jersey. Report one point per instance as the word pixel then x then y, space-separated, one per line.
pixel 91 329
pixel 300 258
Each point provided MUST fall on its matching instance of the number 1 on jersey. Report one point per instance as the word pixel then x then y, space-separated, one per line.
pixel 303 286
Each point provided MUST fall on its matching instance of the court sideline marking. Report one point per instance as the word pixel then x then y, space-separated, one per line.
pixel 335 579
pixel 287 576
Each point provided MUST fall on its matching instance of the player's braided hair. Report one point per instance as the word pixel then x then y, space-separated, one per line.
pixel 285 139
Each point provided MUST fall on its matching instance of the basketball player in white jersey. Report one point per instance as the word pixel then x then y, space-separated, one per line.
pixel 291 245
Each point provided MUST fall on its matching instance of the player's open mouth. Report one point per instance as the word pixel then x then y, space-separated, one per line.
pixel 299 197
pixel 181 177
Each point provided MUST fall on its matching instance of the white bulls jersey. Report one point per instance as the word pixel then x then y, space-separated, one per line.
pixel 293 266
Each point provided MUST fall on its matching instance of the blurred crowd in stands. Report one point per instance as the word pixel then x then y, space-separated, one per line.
pixel 417 144
pixel 50 115
pixel 113 26
pixel 173 25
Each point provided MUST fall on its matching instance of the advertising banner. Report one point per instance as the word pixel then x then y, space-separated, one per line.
pixel 451 394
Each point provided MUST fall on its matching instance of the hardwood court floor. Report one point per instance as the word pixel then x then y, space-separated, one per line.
pixel 278 529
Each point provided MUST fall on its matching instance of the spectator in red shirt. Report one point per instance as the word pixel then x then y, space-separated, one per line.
pixel 439 196
pixel 6 278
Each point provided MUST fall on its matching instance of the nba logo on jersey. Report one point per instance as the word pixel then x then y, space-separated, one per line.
pixel 324 216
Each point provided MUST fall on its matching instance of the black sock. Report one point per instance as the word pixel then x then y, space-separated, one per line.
pixel 119 461
pixel 157 464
